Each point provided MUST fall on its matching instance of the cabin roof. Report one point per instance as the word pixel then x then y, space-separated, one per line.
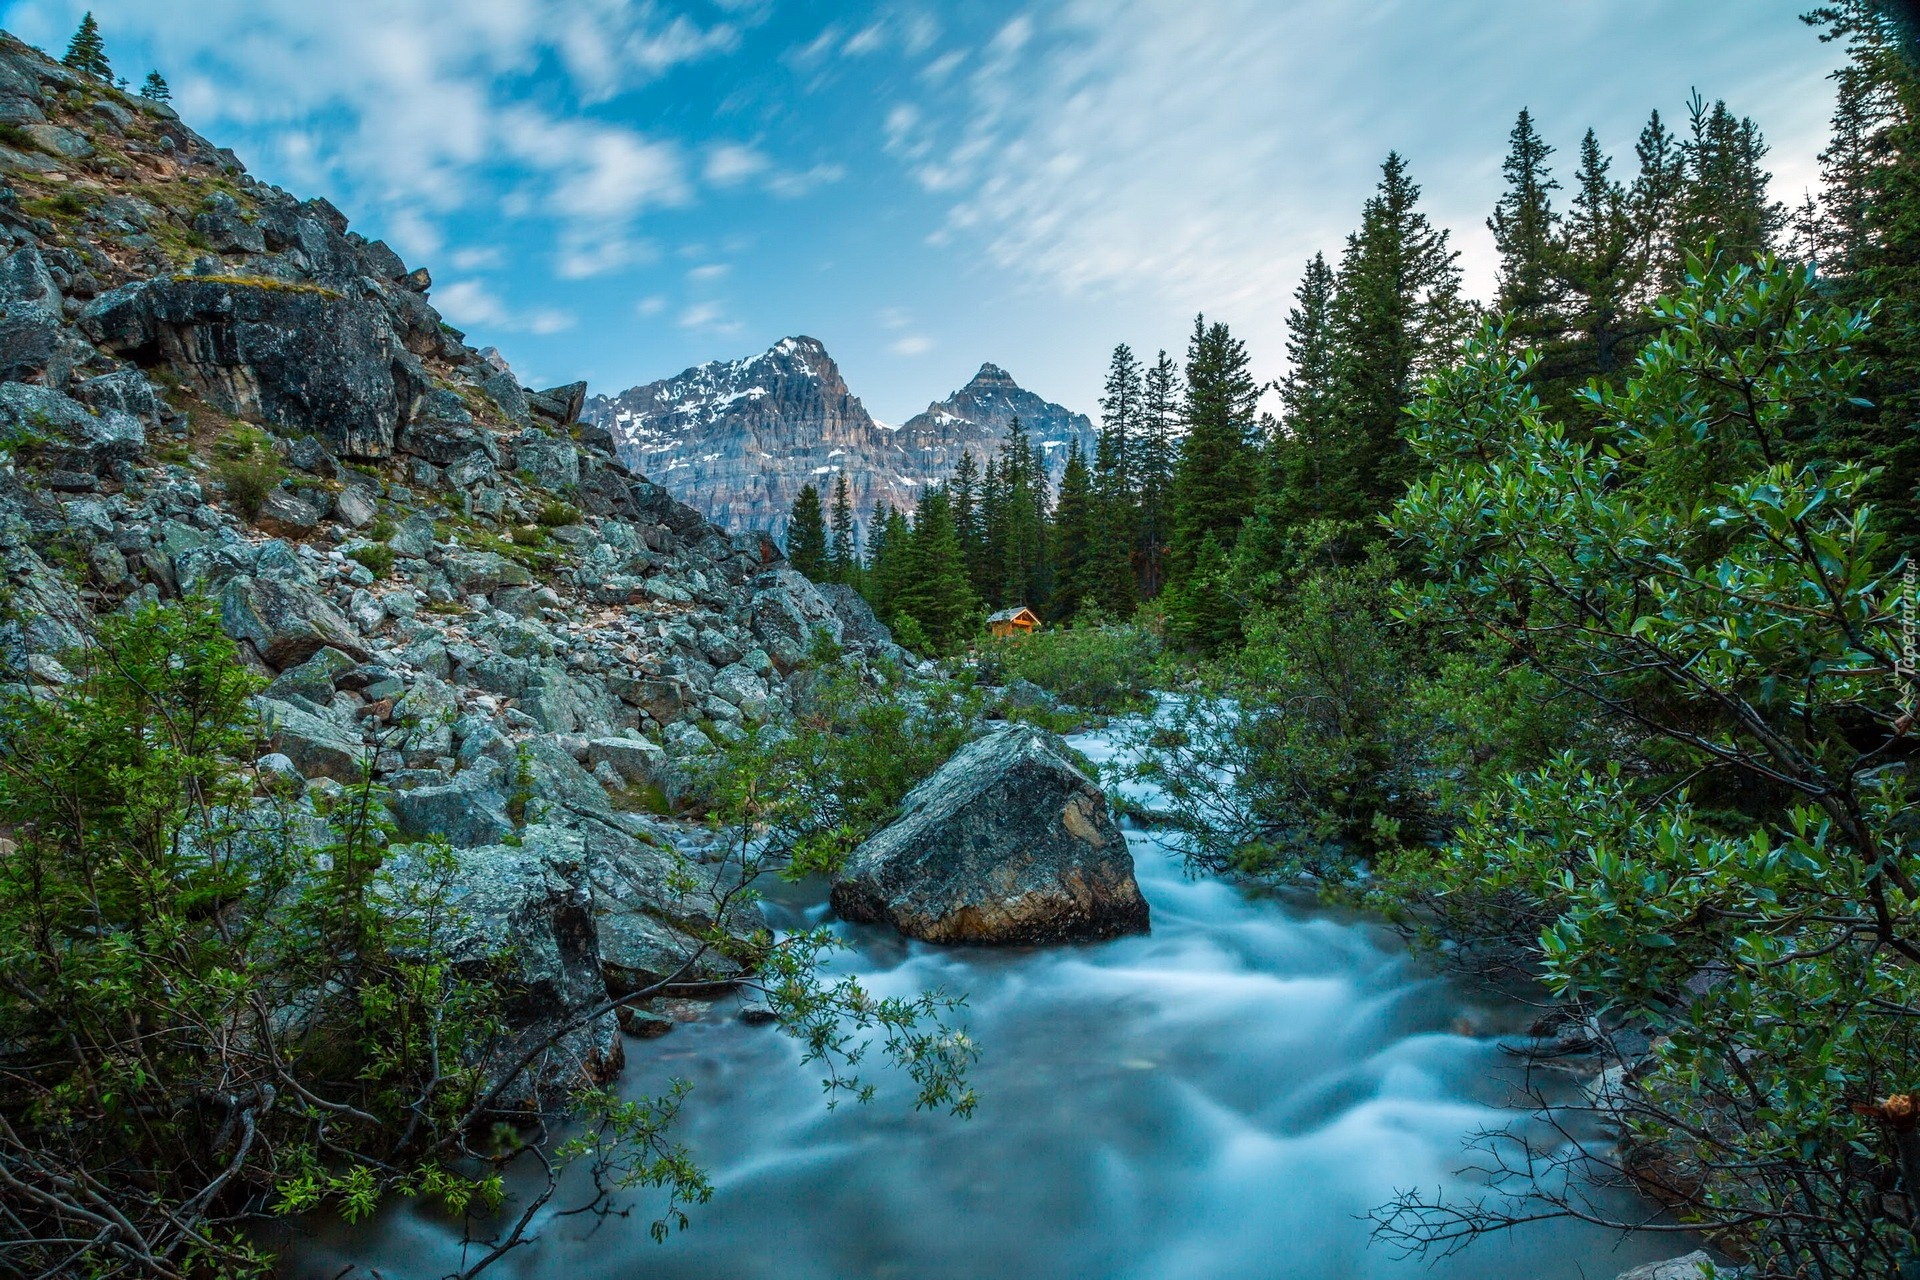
pixel 1009 615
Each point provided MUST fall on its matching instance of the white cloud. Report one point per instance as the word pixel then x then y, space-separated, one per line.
pixel 707 272
pixel 473 303
pixel 869 39
pixel 651 305
pixel 406 111
pixel 792 184
pixel 914 344
pixel 1196 154
pixel 478 258
pixel 587 250
pixel 730 164
pixel 709 317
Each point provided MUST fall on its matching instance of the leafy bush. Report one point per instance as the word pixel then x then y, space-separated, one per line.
pixel 247 467
pixel 213 1017
pixel 1686 567
pixel 1103 666
pixel 840 771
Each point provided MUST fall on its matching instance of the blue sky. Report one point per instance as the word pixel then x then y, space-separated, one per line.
pixel 617 189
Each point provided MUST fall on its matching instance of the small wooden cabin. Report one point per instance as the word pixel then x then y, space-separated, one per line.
pixel 1009 621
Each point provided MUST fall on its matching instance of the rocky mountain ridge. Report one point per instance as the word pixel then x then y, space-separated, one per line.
pixel 739 439
pixel 446 581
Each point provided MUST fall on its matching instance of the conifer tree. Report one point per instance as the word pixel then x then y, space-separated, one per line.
pixel 1871 218
pixel 1077 557
pixel 933 588
pixel 87 51
pixel 807 535
pixel 1602 273
pixel 1723 193
pixel 154 88
pixel 1298 470
pixel 1653 205
pixel 1022 540
pixel 1216 475
pixel 1115 516
pixel 1155 450
pixel 1525 230
pixel 1399 318
pixel 843 551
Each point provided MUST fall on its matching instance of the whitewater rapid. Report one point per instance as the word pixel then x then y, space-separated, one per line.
pixel 1223 1099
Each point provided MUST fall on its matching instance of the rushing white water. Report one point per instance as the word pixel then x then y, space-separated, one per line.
pixel 1224 1098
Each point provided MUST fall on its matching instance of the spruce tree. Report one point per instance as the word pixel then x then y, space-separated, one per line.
pixel 154 88
pixel 1215 477
pixel 1077 555
pixel 1115 516
pixel 1872 220
pixel 1024 568
pixel 807 536
pixel 1653 205
pixel 1602 272
pixel 843 551
pixel 934 590
pixel 1723 193
pixel 1298 472
pixel 1525 229
pixel 87 51
pixel 1155 450
pixel 1399 318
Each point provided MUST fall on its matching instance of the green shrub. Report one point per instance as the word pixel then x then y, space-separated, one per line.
pixel 377 558
pixel 222 1008
pixel 554 513
pixel 1106 667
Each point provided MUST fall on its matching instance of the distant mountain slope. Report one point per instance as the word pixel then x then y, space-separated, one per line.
pixel 738 439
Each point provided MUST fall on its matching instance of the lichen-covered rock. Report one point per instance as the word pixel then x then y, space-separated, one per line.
pixel 318 746
pixel 1008 842
pixel 285 625
pixel 66 435
pixel 1691 1267
pixel 526 926
pixel 467 812
pixel 298 356
pixel 788 615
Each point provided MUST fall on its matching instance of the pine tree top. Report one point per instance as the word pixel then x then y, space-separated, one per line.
pixel 87 51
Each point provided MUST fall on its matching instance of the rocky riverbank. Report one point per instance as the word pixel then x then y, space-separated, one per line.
pixel 447 582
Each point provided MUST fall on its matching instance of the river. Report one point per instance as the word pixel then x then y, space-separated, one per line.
pixel 1225 1098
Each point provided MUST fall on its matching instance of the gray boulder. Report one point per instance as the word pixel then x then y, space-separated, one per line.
pixel 788 612
pixel 29 314
pixel 318 745
pixel 284 623
pixel 636 760
pixel 468 812
pixel 860 629
pixel 66 435
pixel 524 924
pixel 1006 843
pixel 552 464
pixel 298 356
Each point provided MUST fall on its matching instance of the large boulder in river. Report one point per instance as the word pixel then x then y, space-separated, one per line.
pixel 1007 843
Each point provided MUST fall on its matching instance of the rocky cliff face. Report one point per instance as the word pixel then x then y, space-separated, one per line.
pixel 738 439
pixel 209 387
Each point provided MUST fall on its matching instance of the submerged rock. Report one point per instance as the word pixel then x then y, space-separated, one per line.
pixel 1006 843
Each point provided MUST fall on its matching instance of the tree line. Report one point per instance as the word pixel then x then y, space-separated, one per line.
pixel 1197 503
